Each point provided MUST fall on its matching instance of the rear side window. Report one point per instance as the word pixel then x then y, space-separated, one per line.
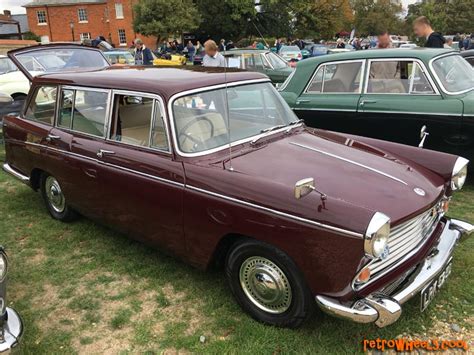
pixel 42 105
pixel 83 111
pixel 397 77
pixel 339 78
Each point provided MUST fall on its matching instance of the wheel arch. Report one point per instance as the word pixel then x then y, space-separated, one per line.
pixel 217 260
pixel 35 178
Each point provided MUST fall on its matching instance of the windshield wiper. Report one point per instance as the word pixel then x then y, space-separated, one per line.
pixel 274 128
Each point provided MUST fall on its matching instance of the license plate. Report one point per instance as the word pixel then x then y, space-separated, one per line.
pixel 430 291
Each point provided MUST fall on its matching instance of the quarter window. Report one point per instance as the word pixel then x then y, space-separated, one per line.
pixel 82 14
pixel 339 78
pixel 41 16
pixel 122 37
pixel 43 104
pixel 398 77
pixel 66 107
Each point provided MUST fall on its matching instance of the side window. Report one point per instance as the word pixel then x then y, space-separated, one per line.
pixel 43 105
pixel 258 61
pixel 337 78
pixel 65 108
pixel 89 112
pixel 389 77
pixel 133 122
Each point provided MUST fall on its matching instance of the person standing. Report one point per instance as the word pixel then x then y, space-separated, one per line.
pixel 222 47
pixel 422 28
pixel 191 51
pixel 212 58
pixel 142 54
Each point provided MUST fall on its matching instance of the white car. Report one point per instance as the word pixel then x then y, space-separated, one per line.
pixel 12 81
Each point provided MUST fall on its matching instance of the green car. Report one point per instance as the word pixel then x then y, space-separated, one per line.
pixel 260 60
pixel 389 94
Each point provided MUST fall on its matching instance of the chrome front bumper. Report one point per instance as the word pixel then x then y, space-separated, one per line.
pixel 12 332
pixel 385 310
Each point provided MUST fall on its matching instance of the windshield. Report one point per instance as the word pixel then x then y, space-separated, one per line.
pixel 276 62
pixel 120 58
pixel 7 66
pixel 201 121
pixel 454 74
pixel 59 59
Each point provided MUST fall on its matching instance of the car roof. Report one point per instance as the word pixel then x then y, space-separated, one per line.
pixel 164 81
pixel 467 53
pixel 424 54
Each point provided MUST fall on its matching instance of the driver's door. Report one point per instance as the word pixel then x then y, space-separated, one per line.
pixel 139 178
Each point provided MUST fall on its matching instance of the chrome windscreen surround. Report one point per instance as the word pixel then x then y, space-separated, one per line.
pixel 404 241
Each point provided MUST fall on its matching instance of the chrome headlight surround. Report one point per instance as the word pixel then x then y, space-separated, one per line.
pixel 376 236
pixel 459 175
pixel 3 265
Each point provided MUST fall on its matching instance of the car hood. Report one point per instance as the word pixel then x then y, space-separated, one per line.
pixel 345 170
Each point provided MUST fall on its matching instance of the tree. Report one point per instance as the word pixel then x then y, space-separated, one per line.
pixel 163 18
pixel 372 17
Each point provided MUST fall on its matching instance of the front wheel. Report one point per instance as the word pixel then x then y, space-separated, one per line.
pixel 55 200
pixel 268 285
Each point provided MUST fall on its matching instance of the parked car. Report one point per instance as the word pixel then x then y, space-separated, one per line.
pixel 318 50
pixel 120 57
pixel 290 53
pixel 8 105
pixel 469 56
pixel 11 325
pixel 12 81
pixel 169 60
pixel 389 94
pixel 263 61
pixel 214 167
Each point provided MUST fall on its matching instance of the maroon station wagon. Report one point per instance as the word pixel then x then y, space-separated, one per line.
pixel 215 168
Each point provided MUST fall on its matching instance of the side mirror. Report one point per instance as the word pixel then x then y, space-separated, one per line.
pixel 5 98
pixel 304 187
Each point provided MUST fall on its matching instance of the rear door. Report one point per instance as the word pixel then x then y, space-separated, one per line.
pixel 331 97
pixel 399 98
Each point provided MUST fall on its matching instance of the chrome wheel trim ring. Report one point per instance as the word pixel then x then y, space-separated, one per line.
pixel 55 194
pixel 265 285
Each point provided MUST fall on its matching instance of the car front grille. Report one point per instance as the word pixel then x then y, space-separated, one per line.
pixel 405 239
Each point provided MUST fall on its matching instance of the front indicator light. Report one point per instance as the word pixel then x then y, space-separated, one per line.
pixel 363 276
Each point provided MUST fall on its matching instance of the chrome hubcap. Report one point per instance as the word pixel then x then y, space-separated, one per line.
pixel 54 194
pixel 265 284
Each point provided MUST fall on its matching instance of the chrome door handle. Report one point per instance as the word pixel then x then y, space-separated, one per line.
pixel 363 102
pixel 302 101
pixel 51 137
pixel 101 153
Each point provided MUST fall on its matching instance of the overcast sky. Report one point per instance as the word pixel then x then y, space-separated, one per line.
pixel 15 5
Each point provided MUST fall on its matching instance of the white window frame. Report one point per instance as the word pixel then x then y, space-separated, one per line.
pixel 322 66
pixel 88 36
pixel 82 15
pixel 43 14
pixel 404 59
pixel 120 37
pixel 119 11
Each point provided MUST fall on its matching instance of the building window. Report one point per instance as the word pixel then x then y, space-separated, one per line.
pixel 82 14
pixel 85 35
pixel 41 15
pixel 118 11
pixel 122 37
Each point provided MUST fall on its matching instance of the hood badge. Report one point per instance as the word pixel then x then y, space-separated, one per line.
pixel 419 191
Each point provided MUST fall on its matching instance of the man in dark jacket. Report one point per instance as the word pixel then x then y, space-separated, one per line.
pixel 422 28
pixel 142 54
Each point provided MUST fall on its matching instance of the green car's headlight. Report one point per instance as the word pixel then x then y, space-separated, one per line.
pixel 459 175
pixel 376 236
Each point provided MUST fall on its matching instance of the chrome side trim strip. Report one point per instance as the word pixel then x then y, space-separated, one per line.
pixel 412 113
pixel 8 169
pixel 279 213
pixel 350 162
pixel 322 109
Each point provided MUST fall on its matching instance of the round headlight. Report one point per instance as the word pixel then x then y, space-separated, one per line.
pixel 376 237
pixel 459 175
pixel 3 266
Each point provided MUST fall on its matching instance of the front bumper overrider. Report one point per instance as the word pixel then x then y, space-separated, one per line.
pixel 384 310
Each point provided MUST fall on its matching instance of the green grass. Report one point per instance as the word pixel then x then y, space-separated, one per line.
pixel 81 287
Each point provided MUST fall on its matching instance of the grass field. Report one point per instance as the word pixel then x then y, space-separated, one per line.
pixel 81 287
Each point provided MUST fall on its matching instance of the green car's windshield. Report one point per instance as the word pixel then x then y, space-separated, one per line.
pixel 201 120
pixel 276 61
pixel 454 74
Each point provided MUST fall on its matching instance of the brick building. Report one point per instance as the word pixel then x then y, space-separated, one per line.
pixel 74 20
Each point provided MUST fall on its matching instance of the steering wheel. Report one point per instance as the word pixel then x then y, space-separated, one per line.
pixel 183 132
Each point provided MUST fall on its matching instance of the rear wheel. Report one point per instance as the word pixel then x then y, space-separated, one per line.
pixel 55 200
pixel 268 285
